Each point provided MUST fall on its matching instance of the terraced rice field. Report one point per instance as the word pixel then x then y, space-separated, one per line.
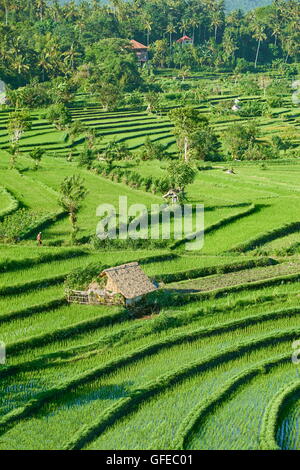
pixel 202 372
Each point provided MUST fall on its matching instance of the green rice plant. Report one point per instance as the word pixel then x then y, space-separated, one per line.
pixel 268 236
pixel 272 415
pixel 208 405
pixel 242 410
pixel 264 340
pixel 13 203
pixel 128 404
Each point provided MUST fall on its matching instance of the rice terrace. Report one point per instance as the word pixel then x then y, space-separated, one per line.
pixel 142 342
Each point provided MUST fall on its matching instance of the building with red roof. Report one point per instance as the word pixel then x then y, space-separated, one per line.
pixel 185 40
pixel 140 50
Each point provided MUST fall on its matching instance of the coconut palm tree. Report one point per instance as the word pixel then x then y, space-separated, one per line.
pixel 216 21
pixel 45 65
pixel 70 56
pixel 72 193
pixel 40 7
pixel 19 64
pixel 5 4
pixel 229 46
pixel 194 23
pixel 54 10
pixel 276 30
pixel 290 45
pixel 184 24
pixel 260 35
pixel 170 30
pixel 148 27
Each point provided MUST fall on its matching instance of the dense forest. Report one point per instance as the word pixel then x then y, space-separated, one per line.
pixel 244 5
pixel 44 40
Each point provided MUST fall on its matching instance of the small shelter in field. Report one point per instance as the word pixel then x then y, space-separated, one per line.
pixel 126 284
pixel 236 107
pixel 173 195
pixel 140 50
pixel 185 40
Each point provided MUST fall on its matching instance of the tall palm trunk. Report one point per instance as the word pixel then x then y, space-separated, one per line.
pixel 186 146
pixel 257 52
pixel 286 57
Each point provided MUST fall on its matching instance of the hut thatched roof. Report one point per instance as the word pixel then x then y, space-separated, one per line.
pixel 130 280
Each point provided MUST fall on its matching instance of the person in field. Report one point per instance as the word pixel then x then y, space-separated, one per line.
pixel 39 239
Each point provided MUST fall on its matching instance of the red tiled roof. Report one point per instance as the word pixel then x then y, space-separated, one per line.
pixel 137 45
pixel 184 38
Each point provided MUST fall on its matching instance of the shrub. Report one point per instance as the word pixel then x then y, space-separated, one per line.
pixel 79 278
pixel 152 150
pixel 252 109
pixel 259 152
pixel 275 101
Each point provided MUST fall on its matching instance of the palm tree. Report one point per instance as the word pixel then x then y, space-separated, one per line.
pixel 184 25
pixel 170 30
pixel 72 193
pixel 260 35
pixel 276 30
pixel 71 11
pixel 40 6
pixel 148 27
pixel 44 64
pixel 5 5
pixel 291 46
pixel 70 56
pixel 55 11
pixel 194 23
pixel 118 9
pixel 229 46
pixel 216 22
pixel 19 64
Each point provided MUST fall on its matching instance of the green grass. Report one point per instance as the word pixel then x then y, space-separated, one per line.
pixel 116 380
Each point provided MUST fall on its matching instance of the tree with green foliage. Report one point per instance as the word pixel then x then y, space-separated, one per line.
pixel 159 50
pixel 115 151
pixel 109 95
pixel 14 153
pixel 260 35
pixel 238 138
pixel 181 174
pixel 18 123
pixel 75 129
pixel 72 193
pixel 59 116
pixel 114 62
pixel 279 144
pixel 36 155
pixel 86 158
pixel 187 121
pixel 205 144
pixel 153 101
pixel 152 150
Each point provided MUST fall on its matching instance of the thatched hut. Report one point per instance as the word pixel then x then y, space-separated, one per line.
pixel 173 195
pixel 128 281
pixel 121 285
